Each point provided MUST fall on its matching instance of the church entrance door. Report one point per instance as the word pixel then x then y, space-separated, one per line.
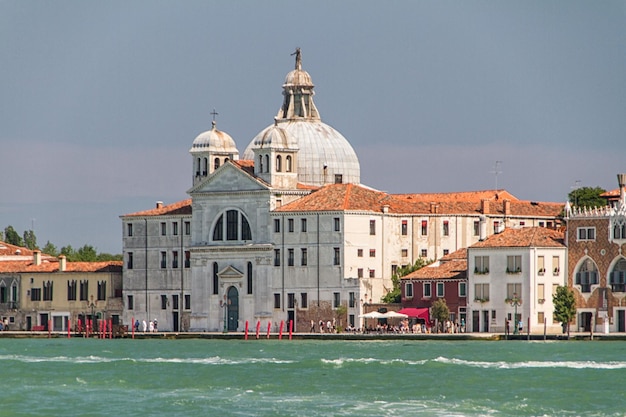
pixel 233 308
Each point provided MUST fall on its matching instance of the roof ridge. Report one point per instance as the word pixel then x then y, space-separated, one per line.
pixel 346 198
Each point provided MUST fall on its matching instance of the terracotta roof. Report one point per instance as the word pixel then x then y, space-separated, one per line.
pixel 10 252
pixel 492 195
pixel 353 197
pixel 611 193
pixel 245 165
pixel 456 255
pixel 174 209
pixel 46 266
pixel 455 269
pixel 524 237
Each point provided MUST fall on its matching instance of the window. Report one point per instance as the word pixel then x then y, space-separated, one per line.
pixel 102 290
pixel 481 264
pixel 276 257
pixel 372 227
pixel 440 289
pixel 233 230
pixel 174 302
pixel 496 227
pixel 540 317
pixel 71 290
pixel 304 302
pixel 187 228
pixel 446 252
pixel 249 278
pixel 424 253
pixel 446 228
pixel 359 273
pixel 541 293
pixel 232 224
pixel 163 228
pixel 427 289
pixel 372 253
pixel 619 231
pixel 175 228
pixel 513 264
pixel 215 278
pixel 372 273
pixel 175 259
pixel 276 225
pixel 163 259
pixel 276 300
pixel 405 253
pixel 288 163
pixel 541 265
pixel 218 232
pixel 163 302
pixel 514 290
pixel 405 227
pixel 279 164
pixel 129 262
pixel 336 258
pixel 424 227
pixel 336 300
pixel 83 289
pixel 291 300
pixel 290 257
pixel 130 302
pixel 290 225
pixel 246 232
pixel 35 294
pixel 338 179
pixel 303 225
pixel 303 257
pixel 359 253
pixel 462 289
pixel 187 259
pixel 481 292
pixel 129 229
pixel 337 224
pixel 617 277
pixel 408 290
pixel 187 302
pixel 394 269
pixel 476 228
pixel 586 233
pixel 555 265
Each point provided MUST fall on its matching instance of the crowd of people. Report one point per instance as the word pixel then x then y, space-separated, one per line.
pixel 152 326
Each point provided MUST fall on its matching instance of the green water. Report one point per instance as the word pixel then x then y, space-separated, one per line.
pixel 79 377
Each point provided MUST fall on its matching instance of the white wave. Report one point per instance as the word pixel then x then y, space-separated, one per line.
pixel 341 361
pixel 534 364
pixel 215 360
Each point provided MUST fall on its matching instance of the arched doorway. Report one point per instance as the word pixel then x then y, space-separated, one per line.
pixel 233 308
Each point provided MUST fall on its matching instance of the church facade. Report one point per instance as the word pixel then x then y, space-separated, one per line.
pixel 287 232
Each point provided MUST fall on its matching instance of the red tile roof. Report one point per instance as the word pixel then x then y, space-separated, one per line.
pixel 10 252
pixel 175 209
pixel 492 195
pixel 524 237
pixel 46 266
pixel 454 269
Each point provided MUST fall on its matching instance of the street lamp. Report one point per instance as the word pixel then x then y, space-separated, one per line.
pixel 225 304
pixel 92 304
pixel 515 302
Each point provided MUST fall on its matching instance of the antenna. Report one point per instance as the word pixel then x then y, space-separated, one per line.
pixel 575 187
pixel 496 171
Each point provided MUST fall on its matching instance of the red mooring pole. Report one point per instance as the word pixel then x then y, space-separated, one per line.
pixel 280 331
pixel 246 336
pixel 133 327
pixel 258 327
pixel 269 327
pixel 290 328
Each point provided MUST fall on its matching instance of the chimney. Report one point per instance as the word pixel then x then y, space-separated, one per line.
pixel 621 180
pixel 482 227
pixel 159 204
pixel 62 263
pixel 484 206
pixel 36 257
pixel 507 208
pixel 386 208
pixel 434 208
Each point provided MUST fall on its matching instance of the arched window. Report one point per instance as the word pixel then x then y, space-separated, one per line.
pixel 288 168
pixel 587 275
pixel 267 163
pixel 236 227
pixel 617 279
pixel 278 163
pixel 249 277
pixel 215 278
pixel 260 163
pixel 198 166
pixel 205 165
pixel 216 163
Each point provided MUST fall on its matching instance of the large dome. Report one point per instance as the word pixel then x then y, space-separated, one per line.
pixel 324 155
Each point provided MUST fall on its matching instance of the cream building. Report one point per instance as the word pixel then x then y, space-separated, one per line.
pixel 287 232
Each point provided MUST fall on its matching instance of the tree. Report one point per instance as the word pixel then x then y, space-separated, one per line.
pixel 394 295
pixel 30 240
pixel 440 311
pixel 12 237
pixel 564 306
pixel 86 254
pixel 340 313
pixel 50 249
pixel 587 197
pixel 69 253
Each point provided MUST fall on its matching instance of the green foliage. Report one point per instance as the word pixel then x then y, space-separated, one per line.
pixel 104 257
pixel 394 295
pixel 440 310
pixel 50 249
pixel 587 197
pixel 30 240
pixel 564 306
pixel 12 237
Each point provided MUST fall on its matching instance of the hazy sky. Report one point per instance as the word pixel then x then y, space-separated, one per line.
pixel 101 100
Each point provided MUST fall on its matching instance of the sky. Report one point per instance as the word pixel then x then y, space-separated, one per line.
pixel 101 101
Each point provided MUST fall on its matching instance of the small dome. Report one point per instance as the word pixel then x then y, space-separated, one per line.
pixel 298 77
pixel 276 138
pixel 215 141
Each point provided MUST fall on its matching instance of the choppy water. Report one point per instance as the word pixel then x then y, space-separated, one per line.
pixel 79 377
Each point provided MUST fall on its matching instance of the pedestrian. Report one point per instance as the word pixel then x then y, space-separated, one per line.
pixel 137 325
pixel 145 326
pixel 312 326
pixel 321 326
pixel 156 326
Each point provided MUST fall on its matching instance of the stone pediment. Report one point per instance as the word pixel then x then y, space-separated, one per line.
pixel 228 178
pixel 230 273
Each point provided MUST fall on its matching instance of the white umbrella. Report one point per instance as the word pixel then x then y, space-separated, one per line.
pixel 394 314
pixel 372 315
